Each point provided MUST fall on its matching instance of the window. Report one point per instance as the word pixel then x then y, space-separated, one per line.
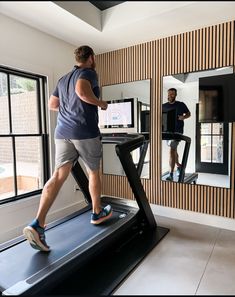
pixel 24 164
pixel 211 147
pixel 212 142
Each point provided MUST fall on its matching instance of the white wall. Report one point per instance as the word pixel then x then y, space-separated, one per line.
pixel 28 49
pixel 137 89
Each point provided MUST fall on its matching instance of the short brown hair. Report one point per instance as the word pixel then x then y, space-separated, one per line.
pixel 82 53
pixel 172 89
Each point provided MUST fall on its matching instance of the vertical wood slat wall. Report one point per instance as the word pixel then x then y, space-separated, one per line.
pixel 202 49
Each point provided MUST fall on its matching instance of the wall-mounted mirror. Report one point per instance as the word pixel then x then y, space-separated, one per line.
pixel 128 112
pixel 209 155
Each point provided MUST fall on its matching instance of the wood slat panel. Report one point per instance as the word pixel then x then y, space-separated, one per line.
pixel 201 49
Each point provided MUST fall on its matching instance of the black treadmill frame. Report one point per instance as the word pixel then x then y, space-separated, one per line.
pixel 143 221
pixel 125 144
pixel 187 140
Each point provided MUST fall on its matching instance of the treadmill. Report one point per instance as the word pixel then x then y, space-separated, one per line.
pixel 190 178
pixel 85 258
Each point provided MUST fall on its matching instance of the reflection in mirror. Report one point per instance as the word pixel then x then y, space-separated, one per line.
pixel 134 97
pixel 209 144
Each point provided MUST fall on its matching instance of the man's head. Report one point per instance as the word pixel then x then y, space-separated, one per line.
pixel 84 55
pixel 172 93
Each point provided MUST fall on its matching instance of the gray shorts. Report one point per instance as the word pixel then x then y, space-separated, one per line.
pixel 69 150
pixel 173 143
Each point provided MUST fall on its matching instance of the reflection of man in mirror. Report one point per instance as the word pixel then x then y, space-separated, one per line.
pixel 182 113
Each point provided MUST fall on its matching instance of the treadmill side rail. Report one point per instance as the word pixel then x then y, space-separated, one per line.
pixel 17 289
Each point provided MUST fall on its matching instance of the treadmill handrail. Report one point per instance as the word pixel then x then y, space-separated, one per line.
pixel 128 141
pixel 123 138
pixel 175 136
pixel 179 136
pixel 123 151
pixel 131 144
pixel 143 152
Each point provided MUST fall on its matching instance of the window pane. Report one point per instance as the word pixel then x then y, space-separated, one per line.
pixel 7 188
pixel 28 164
pixel 205 128
pixel 205 149
pixel 4 110
pixel 217 128
pixel 217 149
pixel 24 106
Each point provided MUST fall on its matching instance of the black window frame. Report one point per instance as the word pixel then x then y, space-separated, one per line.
pixel 211 167
pixel 41 89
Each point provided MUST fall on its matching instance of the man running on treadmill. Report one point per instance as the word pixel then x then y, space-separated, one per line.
pixel 182 113
pixel 76 98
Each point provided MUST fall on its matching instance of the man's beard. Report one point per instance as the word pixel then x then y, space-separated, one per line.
pixel 171 101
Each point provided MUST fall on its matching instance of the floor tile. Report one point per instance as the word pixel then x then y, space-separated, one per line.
pixel 219 275
pixel 175 266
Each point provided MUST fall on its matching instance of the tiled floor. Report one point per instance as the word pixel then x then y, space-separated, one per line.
pixel 192 259
pixel 217 180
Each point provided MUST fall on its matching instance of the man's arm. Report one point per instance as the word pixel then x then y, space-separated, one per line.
pixel 54 103
pixel 84 91
pixel 187 115
pixel 184 116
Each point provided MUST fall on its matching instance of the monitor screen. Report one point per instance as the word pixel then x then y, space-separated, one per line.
pixel 119 114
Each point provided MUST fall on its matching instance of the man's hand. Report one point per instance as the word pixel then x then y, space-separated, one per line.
pixel 184 116
pixel 181 117
pixel 103 105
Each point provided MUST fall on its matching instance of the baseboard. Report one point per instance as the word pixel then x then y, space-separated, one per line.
pixel 194 217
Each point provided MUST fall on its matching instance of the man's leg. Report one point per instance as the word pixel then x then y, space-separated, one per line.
pixel 177 159
pixel 172 159
pixel 90 151
pixel 99 214
pixel 95 190
pixel 178 165
pixel 35 231
pixel 51 190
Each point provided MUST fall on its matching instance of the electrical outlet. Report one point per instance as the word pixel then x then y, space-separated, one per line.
pixel 76 188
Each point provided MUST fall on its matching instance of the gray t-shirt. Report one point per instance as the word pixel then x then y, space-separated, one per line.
pixel 76 118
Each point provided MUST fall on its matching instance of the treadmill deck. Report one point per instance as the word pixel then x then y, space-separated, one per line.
pixel 21 265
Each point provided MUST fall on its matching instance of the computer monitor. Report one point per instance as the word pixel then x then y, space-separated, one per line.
pixel 119 114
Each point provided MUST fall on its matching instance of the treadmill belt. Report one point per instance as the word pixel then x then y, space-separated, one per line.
pixel 188 177
pixel 21 261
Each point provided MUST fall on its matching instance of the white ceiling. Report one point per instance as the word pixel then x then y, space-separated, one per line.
pixel 129 23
